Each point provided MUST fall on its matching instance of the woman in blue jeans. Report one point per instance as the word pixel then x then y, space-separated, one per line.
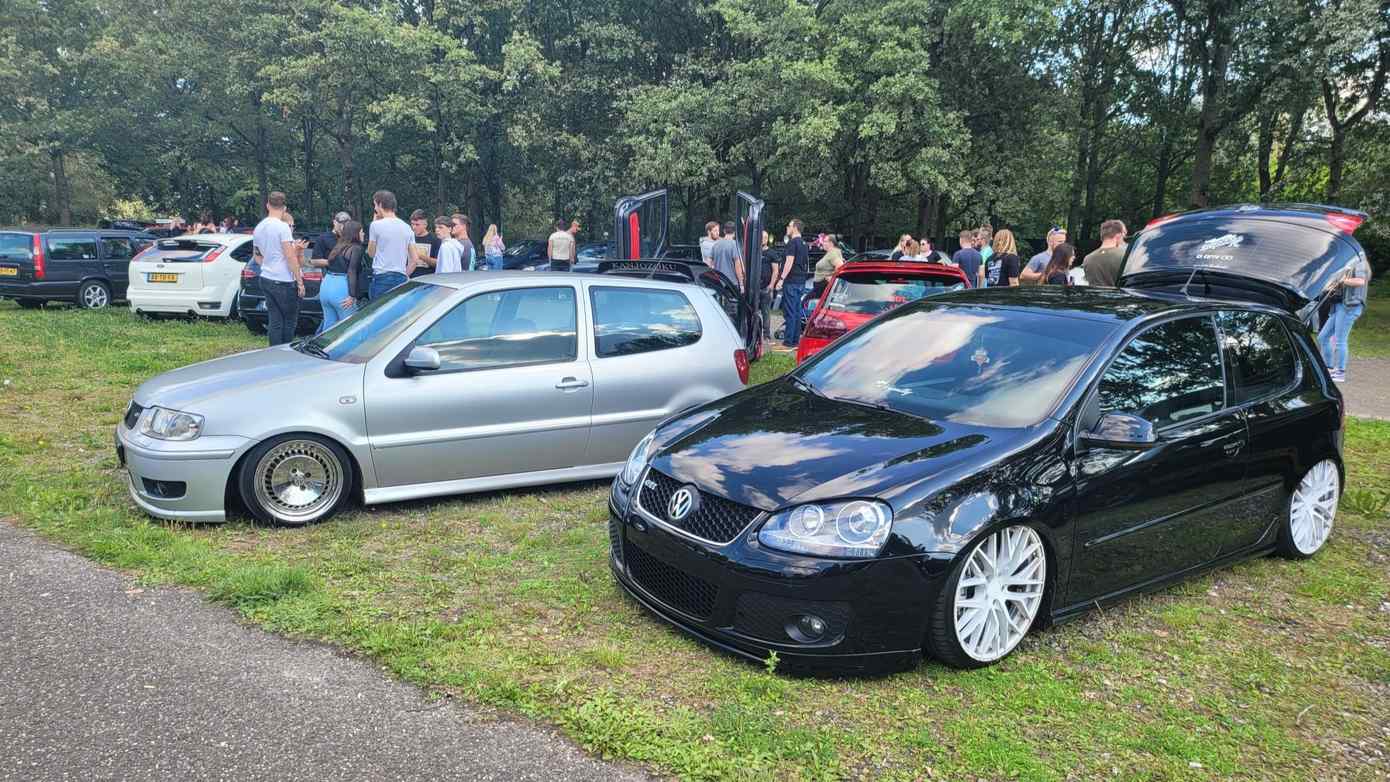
pixel 338 292
pixel 1333 337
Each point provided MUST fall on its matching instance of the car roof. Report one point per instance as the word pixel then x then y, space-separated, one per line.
pixel 32 230
pixel 1113 305
pixel 462 280
pixel 920 268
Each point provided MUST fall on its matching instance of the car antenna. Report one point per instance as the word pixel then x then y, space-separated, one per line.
pixel 1185 294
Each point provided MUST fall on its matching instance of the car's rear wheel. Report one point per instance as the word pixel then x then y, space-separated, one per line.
pixel 94 295
pixel 991 599
pixel 293 480
pixel 1312 509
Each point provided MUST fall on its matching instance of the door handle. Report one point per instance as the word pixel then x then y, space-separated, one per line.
pixel 1232 448
pixel 571 383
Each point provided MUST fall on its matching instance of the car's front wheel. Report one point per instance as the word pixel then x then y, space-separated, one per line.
pixel 991 599
pixel 94 295
pixel 293 480
pixel 1312 509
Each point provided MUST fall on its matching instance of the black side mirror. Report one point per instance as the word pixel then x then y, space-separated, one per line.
pixel 1121 430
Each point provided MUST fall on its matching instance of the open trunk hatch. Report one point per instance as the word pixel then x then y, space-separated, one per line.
pixel 1289 257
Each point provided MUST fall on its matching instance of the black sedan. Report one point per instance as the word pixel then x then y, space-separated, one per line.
pixel 964 469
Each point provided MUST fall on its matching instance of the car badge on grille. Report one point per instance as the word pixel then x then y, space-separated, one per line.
pixel 683 502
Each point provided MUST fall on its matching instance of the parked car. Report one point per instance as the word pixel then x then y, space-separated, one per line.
pixel 85 266
pixel 938 256
pixel 589 256
pixel 250 302
pixel 859 291
pixel 447 384
pixel 528 255
pixel 971 466
pixel 192 275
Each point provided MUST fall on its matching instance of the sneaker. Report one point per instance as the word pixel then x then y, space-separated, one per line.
pixel 1339 377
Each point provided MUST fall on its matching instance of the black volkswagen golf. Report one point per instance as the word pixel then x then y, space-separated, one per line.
pixel 967 468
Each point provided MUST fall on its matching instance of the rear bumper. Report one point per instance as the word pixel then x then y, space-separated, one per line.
pixel 203 472
pixel 40 289
pixel 251 308
pixel 144 299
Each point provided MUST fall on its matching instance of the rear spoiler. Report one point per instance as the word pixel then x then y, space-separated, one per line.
pixel 674 271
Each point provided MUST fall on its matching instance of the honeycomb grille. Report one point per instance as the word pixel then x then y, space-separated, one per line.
pixel 132 415
pixel 717 519
pixel 682 591
pixel 615 539
pixel 766 616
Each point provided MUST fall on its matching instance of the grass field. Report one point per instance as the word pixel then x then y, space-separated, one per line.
pixel 1269 670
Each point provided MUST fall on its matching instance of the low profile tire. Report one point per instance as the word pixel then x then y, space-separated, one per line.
pixel 294 480
pixel 1312 508
pixel 94 295
pixel 991 599
pixel 29 304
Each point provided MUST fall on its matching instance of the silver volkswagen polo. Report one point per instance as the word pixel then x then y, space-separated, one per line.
pixel 448 384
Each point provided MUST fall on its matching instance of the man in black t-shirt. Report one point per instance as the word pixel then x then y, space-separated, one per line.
pixel 791 281
pixel 425 242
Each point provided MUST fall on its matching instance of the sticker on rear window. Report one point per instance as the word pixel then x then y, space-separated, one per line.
pixel 1207 251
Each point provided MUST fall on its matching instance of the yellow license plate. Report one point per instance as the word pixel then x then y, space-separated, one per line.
pixel 163 277
pixel 8 271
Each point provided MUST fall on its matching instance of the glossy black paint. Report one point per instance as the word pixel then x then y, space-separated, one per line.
pixel 1114 520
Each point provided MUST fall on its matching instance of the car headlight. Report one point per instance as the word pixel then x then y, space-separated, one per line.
pixel 638 460
pixel 844 528
pixel 166 424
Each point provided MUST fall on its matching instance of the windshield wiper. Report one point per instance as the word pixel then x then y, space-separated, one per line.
pixel 806 386
pixel 310 347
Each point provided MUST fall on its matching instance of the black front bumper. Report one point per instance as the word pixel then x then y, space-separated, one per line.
pixel 745 599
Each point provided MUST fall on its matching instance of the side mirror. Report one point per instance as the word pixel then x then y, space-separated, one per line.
pixel 422 359
pixel 1121 430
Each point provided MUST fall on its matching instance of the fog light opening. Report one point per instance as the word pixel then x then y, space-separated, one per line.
pixel 807 628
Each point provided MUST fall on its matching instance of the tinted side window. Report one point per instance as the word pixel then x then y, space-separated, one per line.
pixel 16 247
pixel 72 248
pixel 1261 353
pixel 1168 374
pixel 506 328
pixel 243 252
pixel 117 248
pixel 640 320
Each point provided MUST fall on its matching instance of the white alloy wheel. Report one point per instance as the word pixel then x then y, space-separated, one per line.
pixel 1313 507
pixel 999 592
pixel 297 481
pixel 95 296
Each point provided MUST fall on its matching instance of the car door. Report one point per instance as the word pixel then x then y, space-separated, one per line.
pixel 641 225
pixel 1266 375
pixel 72 258
pixel 116 252
pixel 1149 513
pixel 513 393
pixel 645 354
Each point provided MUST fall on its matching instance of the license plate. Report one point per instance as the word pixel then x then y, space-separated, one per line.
pixel 162 277
pixel 9 271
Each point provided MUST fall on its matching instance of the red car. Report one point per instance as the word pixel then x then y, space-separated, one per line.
pixel 860 291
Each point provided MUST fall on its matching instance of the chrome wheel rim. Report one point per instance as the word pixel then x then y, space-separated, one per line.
pixel 999 593
pixel 1314 506
pixel 94 297
pixel 298 480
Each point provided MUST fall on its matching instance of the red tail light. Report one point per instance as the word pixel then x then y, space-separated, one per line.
pixel 247 273
pixel 39 270
pixel 212 256
pixel 1346 223
pixel 312 275
pixel 741 364
pixel 1163 219
pixel 826 327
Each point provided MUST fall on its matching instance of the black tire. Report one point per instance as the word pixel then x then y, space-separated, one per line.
pixel 30 304
pixel 255 327
pixel 94 295
pixel 942 642
pixel 318 458
pixel 234 314
pixel 1316 494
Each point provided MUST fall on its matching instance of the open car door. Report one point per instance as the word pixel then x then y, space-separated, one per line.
pixel 1290 256
pixel 641 226
pixel 750 234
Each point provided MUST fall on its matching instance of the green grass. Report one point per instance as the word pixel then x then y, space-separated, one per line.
pixel 1370 337
pixel 1269 670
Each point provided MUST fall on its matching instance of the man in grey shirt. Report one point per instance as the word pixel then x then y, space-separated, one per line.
pixel 1333 336
pixel 724 256
pixel 1033 272
pixel 707 241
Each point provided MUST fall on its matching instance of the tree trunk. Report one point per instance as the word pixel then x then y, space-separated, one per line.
pixel 925 208
pixel 262 154
pixel 1078 174
pixel 1165 158
pixel 1336 160
pixel 1210 122
pixel 62 190
pixel 1264 143
pixel 309 213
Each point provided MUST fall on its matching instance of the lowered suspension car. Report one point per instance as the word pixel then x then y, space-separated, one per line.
pixel 971 466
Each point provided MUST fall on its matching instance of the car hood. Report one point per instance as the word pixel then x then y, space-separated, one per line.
pixel 243 376
pixel 780 444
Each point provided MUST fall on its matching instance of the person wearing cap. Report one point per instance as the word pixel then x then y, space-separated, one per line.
pixel 324 242
pixel 1033 274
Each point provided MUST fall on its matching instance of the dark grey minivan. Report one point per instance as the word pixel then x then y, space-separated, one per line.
pixel 85 266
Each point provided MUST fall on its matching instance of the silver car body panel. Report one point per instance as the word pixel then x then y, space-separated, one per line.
pixel 433 434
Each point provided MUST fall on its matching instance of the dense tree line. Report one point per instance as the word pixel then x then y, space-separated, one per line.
pixel 922 116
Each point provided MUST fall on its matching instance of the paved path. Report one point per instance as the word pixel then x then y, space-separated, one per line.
pixel 1367 389
pixel 101 680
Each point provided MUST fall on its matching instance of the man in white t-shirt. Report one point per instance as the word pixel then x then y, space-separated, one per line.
pixel 391 244
pixel 281 280
pixel 560 248
pixel 450 249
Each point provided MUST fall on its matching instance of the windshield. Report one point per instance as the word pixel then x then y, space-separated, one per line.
pixel 871 293
pixel 976 365
pixel 363 334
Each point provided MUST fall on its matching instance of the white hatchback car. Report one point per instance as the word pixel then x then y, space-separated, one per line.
pixel 197 274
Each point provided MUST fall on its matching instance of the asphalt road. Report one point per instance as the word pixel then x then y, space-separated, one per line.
pixel 1367 389
pixel 100 679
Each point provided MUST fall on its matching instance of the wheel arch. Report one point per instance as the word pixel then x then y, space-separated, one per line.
pixel 232 497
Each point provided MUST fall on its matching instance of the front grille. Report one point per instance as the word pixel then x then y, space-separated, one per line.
pixel 717 519
pixel 615 539
pixel 132 415
pixel 672 586
pixel 766 616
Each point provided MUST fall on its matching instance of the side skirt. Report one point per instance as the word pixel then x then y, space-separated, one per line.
pixel 593 472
